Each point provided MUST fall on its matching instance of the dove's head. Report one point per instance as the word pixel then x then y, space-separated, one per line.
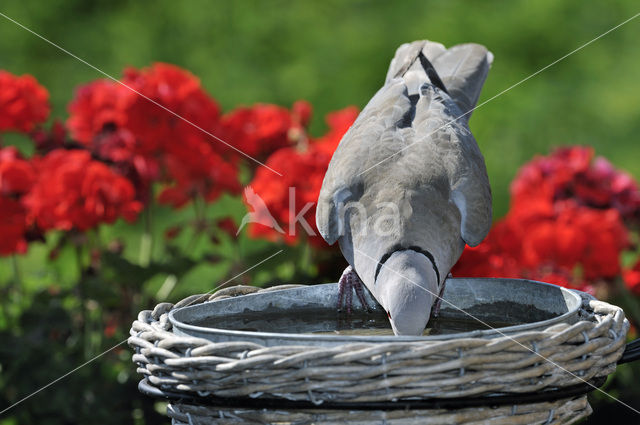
pixel 407 287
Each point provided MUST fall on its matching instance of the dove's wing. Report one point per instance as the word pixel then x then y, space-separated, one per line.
pixel 463 70
pixel 471 192
pixel 372 138
pixel 439 136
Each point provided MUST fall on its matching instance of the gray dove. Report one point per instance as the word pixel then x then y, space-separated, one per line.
pixel 407 187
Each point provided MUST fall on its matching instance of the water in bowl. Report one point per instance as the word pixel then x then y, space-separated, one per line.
pixel 330 322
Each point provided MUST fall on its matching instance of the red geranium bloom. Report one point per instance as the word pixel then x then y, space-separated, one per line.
pixel 228 226
pixel 99 106
pixel 99 119
pixel 299 187
pixel 167 98
pixel 573 173
pixel 259 130
pixel 303 172
pixel 339 122
pixel 172 232
pixel 563 226
pixel 16 174
pixel 301 112
pixel 16 178
pixel 48 140
pixel 145 129
pixel 12 226
pixel 631 278
pixel 576 236
pixel 198 172
pixel 74 191
pixel 23 102
pixel 533 245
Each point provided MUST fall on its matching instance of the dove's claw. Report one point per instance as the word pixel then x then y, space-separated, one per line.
pixel 436 305
pixel 349 282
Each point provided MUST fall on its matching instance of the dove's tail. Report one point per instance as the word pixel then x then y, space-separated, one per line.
pixel 462 68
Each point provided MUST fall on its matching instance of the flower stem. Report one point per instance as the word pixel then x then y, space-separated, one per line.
pixel 82 296
pixel 79 264
pixel 305 265
pixel 146 240
pixel 198 208
pixel 17 277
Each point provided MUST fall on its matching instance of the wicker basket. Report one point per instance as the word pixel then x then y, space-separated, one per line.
pixel 458 368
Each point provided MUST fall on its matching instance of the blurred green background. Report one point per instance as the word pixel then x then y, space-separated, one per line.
pixel 333 54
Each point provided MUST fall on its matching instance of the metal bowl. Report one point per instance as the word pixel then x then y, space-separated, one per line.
pixel 503 306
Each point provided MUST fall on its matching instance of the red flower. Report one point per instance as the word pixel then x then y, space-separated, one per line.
pixel 23 102
pixel 533 245
pixel 554 231
pixel 631 278
pixel 573 173
pixel 299 187
pixel 304 173
pixel 16 178
pixel 259 130
pixel 172 232
pixel 16 174
pixel 74 191
pixel 489 259
pixel 228 226
pixel 167 96
pixel 12 226
pixel 141 129
pixel 48 140
pixel 301 112
pixel 339 122
pixel 99 119
pixel 98 107
pixel 198 172
pixel 169 105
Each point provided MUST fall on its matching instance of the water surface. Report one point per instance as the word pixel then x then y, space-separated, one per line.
pixel 331 322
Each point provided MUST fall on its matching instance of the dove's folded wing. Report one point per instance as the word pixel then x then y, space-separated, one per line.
pixel 471 193
pixel 371 139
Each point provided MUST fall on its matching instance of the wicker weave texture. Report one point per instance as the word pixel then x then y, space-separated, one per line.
pixel 561 355
pixel 558 412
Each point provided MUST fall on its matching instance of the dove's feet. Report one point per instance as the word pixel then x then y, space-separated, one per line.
pixel 348 283
pixel 436 305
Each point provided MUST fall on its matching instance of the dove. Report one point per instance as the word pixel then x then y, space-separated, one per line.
pixel 407 186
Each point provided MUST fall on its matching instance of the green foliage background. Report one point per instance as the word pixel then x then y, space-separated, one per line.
pixel 331 53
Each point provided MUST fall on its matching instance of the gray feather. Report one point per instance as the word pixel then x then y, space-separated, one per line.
pixel 407 53
pixel 462 68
